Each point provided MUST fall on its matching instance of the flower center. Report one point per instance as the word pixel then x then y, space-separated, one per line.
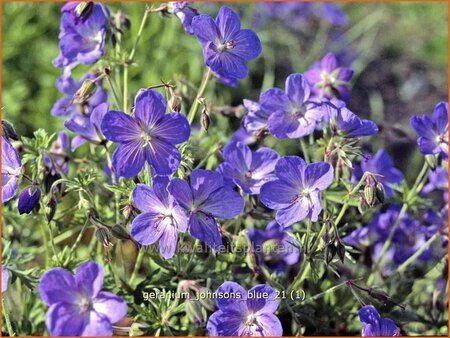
pixel 224 46
pixel 85 305
pixel 146 138
pixel 248 175
pixel 298 112
pixel 250 320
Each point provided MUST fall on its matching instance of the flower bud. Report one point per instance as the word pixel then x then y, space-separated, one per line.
pixel 84 9
pixel 8 131
pixel 362 206
pixel 370 195
pixel 340 249
pixel 330 252
pixel 120 232
pixel 29 199
pixel 86 90
pixel 379 192
pixel 431 161
pixel 103 235
pixel 205 120
pixel 50 209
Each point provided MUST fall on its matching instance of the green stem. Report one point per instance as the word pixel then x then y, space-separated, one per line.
pixel 114 180
pixel 424 247
pixel 201 90
pixel 113 89
pixel 52 244
pixel 137 266
pixel 77 241
pixel 206 158
pixel 125 88
pixel 304 150
pixel 138 37
pixel 5 312
pixel 46 247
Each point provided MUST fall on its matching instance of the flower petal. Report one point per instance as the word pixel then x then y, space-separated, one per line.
pixel 274 100
pixel 318 175
pixel 291 169
pixel 203 183
pixel 297 89
pixel 57 285
pixel 263 300
pixel 182 193
pixel 111 306
pixel 369 315
pixel 228 23
pixel 204 228
pixel 128 159
pixel 64 320
pixel 292 214
pixel 205 29
pixel 97 325
pixel 225 62
pixel 163 157
pixel 223 203
pixel 248 46
pixel 168 242
pixel 147 228
pixel 277 194
pixel 232 297
pixel 222 323
pixel 268 325
pixel 89 278
pixel 145 199
pixel 119 127
pixel 173 128
pixel 149 107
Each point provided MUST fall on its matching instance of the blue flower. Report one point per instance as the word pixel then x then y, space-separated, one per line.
pixel 248 170
pixel 185 13
pixel 256 118
pixel 150 136
pixel 161 217
pixel 295 194
pixel 293 115
pixel 56 160
pixel 433 131
pixel 206 198
pixel 373 325
pixel 11 168
pixel 437 180
pixel 29 199
pixel 380 164
pixel 81 41
pixel 226 47
pixel 274 247
pixel 241 315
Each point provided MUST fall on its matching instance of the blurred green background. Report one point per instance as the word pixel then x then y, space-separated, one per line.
pixel 401 65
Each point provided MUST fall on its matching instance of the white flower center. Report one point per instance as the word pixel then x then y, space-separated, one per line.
pixel 250 320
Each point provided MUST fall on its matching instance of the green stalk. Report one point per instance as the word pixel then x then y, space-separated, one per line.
pixel 137 266
pixel 304 150
pixel 424 247
pixel 201 90
pixel 138 37
pixel 5 312
pixel 46 246
pixel 125 88
pixel 113 89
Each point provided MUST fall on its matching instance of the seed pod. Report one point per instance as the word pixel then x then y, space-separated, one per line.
pixel 85 92
pixel 379 192
pixel 50 209
pixel 120 232
pixel 103 235
pixel 84 9
pixel 370 195
pixel 362 206
pixel 330 252
pixel 340 249
pixel 175 103
pixel 431 161
pixel 205 120
pixel 8 131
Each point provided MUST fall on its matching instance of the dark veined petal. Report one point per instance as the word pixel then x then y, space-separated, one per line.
pixel 264 299
pixel 128 159
pixel 173 128
pixel 223 323
pixel 149 108
pixel 204 183
pixel 182 193
pixel 205 29
pixel 248 46
pixel 236 300
pixel 119 127
pixel 277 194
pixel 228 23
pixel 168 242
pixel 64 319
pixel 318 175
pixel 291 169
pixel 225 62
pixel 163 157
pixel 145 199
pixel 268 325
pixel 147 228
pixel 57 285
pixel 204 228
pixel 111 306
pixel 89 278
pixel 223 203
pixel 274 100
pixel 297 89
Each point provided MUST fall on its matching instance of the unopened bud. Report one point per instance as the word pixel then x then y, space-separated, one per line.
pixel 431 161
pixel 205 120
pixel 50 209
pixel 340 249
pixel 84 9
pixel 379 192
pixel 330 252
pixel 103 235
pixel 370 195
pixel 85 92
pixel 175 103
pixel 362 205
pixel 120 232
pixel 8 131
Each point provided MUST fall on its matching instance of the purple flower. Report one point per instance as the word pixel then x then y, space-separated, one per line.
pixel 373 325
pixel 11 168
pixel 327 79
pixel 295 194
pixel 81 41
pixel 292 114
pixel 243 136
pixel 256 118
pixel 77 305
pixel 226 47
pixel 150 136
pixel 274 247
pixel 243 313
pixel 161 217
pixel 437 180
pixel 381 164
pixel 29 199
pixel 56 159
pixel 332 13
pixel 248 170
pixel 5 278
pixel 68 86
pixel 344 122
pixel 185 13
pixel 205 198
pixel 87 126
pixel 433 131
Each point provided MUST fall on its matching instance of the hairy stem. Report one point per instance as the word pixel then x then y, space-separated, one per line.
pixel 137 266
pixel 201 90
pixel 5 313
